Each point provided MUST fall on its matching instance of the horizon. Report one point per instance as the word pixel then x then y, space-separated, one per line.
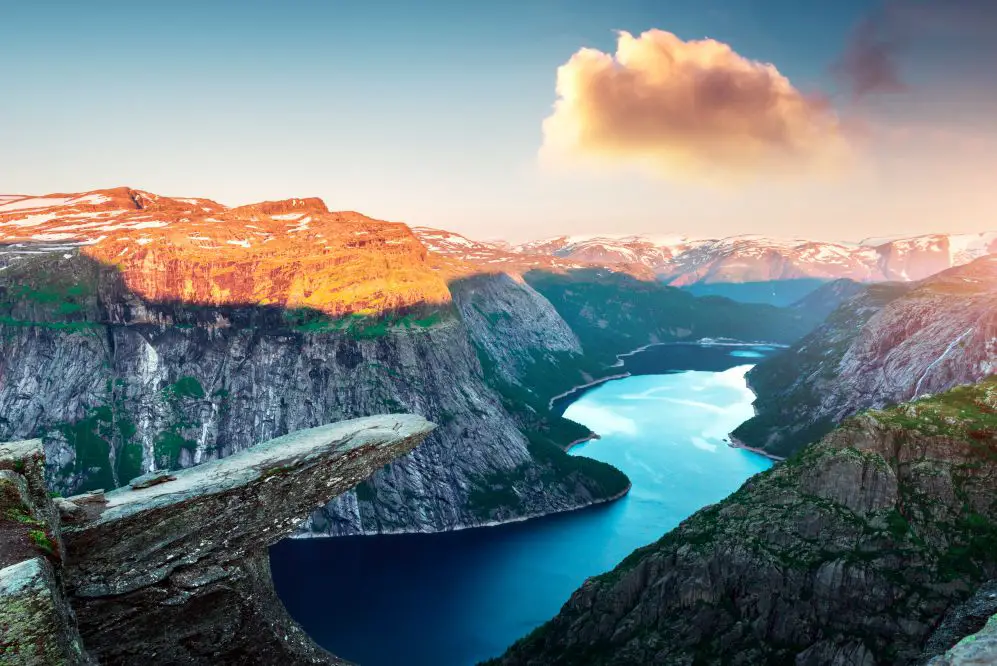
pixel 657 238
pixel 874 120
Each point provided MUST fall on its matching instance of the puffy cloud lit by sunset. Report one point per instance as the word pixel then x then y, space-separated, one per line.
pixel 687 109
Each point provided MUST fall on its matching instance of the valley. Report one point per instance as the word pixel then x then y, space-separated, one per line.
pixel 142 334
pixel 458 598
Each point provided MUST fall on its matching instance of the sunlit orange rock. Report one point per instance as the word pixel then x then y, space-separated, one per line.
pixel 292 253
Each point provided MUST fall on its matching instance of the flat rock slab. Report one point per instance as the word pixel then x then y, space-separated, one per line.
pixel 176 570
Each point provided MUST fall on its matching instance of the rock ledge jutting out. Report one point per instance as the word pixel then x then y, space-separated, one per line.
pixel 174 567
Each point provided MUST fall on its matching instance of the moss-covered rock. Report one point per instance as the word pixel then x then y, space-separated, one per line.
pixel 37 626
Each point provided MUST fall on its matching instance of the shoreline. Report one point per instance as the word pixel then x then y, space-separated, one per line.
pixel 582 440
pixel 702 342
pixel 594 382
pixel 492 523
pixel 735 443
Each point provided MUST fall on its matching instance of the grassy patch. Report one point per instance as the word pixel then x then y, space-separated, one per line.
pixel 966 412
pixel 169 444
pixel 91 439
pixel 185 387
pixel 365 326
pixel 42 541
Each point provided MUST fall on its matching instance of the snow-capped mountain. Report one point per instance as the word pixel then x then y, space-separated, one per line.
pixel 293 253
pixel 750 258
pixel 499 255
pixel 122 224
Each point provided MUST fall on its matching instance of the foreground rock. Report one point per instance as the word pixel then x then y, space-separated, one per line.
pixel 978 649
pixel 37 625
pixel 174 568
pixel 848 553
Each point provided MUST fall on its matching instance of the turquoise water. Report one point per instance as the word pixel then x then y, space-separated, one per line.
pixel 454 599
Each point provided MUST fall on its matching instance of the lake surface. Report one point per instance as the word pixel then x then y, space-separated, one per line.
pixel 457 598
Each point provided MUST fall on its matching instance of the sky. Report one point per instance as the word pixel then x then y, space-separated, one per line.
pixel 520 119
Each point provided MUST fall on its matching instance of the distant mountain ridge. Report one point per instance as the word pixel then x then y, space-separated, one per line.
pixel 681 261
pixel 122 226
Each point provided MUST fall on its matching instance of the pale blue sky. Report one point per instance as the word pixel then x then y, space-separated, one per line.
pixel 430 113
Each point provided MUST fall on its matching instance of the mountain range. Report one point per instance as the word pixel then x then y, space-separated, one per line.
pixel 119 225
pixel 680 261
pixel 141 333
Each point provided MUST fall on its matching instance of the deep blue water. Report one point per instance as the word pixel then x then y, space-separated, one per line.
pixel 454 599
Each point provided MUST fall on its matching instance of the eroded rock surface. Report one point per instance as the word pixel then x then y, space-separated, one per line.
pixel 37 624
pixel 889 344
pixel 176 571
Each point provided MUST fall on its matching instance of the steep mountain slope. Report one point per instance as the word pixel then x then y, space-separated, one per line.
pixel 117 385
pixel 849 553
pixel 891 343
pixel 613 313
pixel 138 345
pixel 143 332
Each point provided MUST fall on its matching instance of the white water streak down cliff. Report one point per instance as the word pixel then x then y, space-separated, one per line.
pixel 917 389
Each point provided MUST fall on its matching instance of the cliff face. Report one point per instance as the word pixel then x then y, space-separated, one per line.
pixel 848 553
pixel 888 344
pixel 182 331
pixel 116 386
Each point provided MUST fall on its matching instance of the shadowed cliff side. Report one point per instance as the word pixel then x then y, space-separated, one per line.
pixel 889 343
pixel 37 624
pixel 117 385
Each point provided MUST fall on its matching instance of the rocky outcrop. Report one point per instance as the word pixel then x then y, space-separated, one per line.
pixel 889 344
pixel 37 624
pixel 174 568
pixel 848 553
pixel 176 565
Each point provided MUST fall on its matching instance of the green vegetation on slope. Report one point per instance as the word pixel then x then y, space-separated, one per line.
pixel 965 412
pixel 49 291
pixel 366 326
pixel 612 313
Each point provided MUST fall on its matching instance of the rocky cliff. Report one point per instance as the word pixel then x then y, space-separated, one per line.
pixel 890 343
pixel 174 567
pixel 140 333
pixel 117 385
pixel 849 553
pixel 968 633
